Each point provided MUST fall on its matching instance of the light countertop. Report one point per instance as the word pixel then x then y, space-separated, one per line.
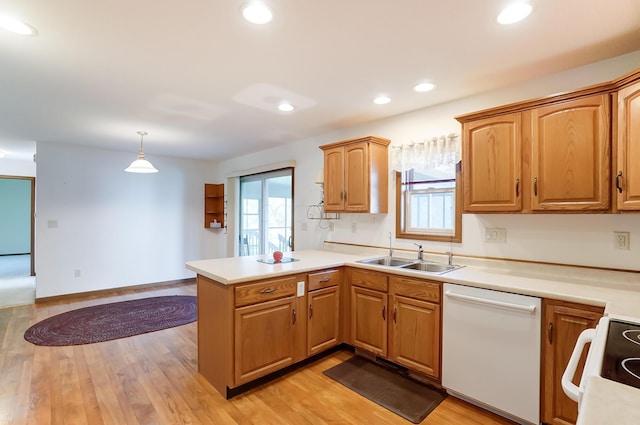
pixel 604 401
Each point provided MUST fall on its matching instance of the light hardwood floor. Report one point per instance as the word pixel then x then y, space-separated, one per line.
pixel 153 379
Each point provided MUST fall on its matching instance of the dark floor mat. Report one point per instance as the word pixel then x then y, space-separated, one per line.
pixel 401 395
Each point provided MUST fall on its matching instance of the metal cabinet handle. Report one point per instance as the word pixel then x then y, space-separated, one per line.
pixel 619 181
pixel 517 187
pixel 535 186
pixel 395 313
pixel 551 333
pixel 384 312
pixel 326 279
pixel 268 290
pixel 310 311
pixel 294 316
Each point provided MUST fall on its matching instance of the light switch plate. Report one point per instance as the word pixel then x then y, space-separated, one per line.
pixel 300 289
pixel 495 235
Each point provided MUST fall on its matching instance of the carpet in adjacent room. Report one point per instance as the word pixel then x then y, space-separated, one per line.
pixel 105 322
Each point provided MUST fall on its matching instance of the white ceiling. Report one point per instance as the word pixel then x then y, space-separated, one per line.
pixel 204 83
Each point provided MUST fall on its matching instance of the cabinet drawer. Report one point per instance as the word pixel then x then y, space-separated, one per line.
pixel 324 279
pixel 415 288
pixel 369 279
pixel 265 291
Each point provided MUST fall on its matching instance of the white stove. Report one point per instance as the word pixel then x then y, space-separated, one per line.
pixel 614 355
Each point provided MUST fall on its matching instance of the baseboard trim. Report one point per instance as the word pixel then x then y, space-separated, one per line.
pixel 102 292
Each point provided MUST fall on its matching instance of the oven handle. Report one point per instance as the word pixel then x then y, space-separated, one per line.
pixel 570 389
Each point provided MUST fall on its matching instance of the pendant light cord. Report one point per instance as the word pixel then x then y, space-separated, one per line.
pixel 142 134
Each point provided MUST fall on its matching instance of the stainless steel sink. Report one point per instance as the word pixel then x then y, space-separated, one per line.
pixel 437 268
pixel 388 261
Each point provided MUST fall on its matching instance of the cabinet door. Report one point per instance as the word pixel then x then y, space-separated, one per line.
pixel 563 324
pixel 415 334
pixel 369 320
pixel 323 329
pixel 356 177
pixel 492 164
pixel 334 179
pixel 571 155
pixel 264 338
pixel 628 149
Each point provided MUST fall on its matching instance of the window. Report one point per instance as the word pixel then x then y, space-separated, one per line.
pixel 428 204
pixel 266 211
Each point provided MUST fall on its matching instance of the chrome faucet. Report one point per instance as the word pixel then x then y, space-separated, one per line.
pixel 420 251
pixel 390 249
pixel 450 254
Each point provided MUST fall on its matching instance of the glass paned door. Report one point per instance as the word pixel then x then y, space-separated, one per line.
pixel 266 211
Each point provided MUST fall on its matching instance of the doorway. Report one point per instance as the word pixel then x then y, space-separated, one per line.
pixel 17 262
pixel 266 212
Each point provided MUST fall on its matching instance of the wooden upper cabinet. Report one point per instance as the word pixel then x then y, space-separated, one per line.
pixel 627 142
pixel 334 179
pixel 571 155
pixel 492 164
pixel 356 175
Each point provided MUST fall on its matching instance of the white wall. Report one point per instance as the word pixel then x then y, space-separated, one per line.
pixel 581 239
pixel 116 228
pixel 14 167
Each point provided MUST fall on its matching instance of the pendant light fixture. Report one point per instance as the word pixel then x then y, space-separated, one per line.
pixel 141 165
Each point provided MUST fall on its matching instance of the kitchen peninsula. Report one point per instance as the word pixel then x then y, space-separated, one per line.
pixel 255 318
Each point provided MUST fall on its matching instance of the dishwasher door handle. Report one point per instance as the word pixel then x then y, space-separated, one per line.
pixel 570 389
pixel 493 303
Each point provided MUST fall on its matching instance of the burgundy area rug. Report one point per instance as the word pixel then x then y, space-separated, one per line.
pixel 114 320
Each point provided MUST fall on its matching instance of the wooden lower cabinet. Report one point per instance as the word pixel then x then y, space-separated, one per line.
pixel 415 324
pixel 246 331
pixel 369 320
pixel 264 338
pixel 323 328
pixel 397 318
pixel 563 323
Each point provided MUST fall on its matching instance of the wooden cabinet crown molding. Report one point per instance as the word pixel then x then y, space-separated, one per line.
pixel 600 88
pixel 371 139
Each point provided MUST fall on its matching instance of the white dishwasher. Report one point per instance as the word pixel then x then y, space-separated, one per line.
pixel 491 350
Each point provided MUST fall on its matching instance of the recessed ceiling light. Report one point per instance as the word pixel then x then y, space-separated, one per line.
pixel 286 107
pixel 381 100
pixel 513 13
pixel 18 27
pixel 422 87
pixel 257 13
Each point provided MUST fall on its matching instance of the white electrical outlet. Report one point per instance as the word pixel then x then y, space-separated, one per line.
pixel 331 226
pixel 621 240
pixel 76 273
pixel 300 289
pixel 495 235
pixel 354 227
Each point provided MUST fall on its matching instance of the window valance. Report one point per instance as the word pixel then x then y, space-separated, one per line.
pixel 431 153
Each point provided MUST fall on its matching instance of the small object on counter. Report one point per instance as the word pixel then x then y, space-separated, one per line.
pixel 277 256
pixel 214 224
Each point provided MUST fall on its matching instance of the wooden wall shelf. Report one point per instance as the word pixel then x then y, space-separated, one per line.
pixel 214 208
